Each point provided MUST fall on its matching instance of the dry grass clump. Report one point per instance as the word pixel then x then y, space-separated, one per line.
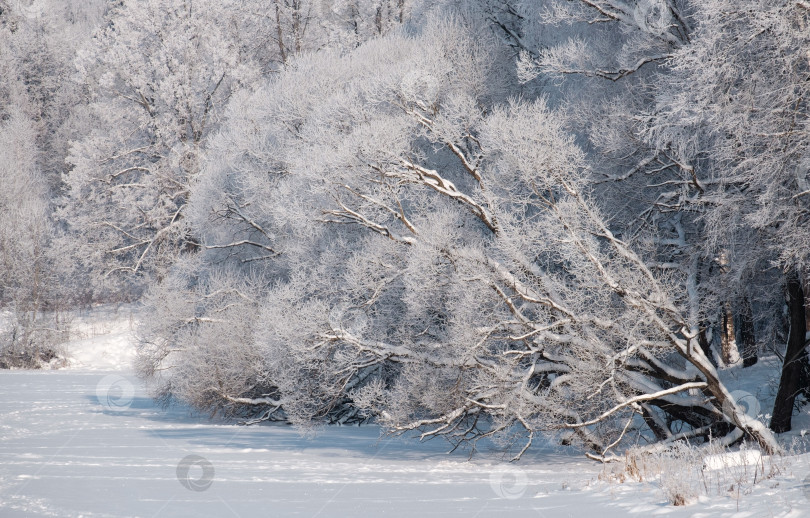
pixel 684 472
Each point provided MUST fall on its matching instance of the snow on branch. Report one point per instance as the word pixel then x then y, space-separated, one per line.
pixel 634 400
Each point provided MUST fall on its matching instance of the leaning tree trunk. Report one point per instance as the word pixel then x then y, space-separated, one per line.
pixel 667 318
pixel 795 367
pixel 746 331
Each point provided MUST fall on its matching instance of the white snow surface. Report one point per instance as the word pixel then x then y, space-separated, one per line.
pixel 88 441
pixel 102 339
pixel 732 459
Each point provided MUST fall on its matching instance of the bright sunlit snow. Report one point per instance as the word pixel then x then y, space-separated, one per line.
pixel 88 441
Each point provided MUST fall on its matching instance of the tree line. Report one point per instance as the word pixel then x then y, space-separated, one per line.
pixel 467 218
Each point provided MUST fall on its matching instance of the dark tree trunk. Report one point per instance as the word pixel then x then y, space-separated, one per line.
pixel 655 423
pixel 705 346
pixel 747 337
pixel 795 368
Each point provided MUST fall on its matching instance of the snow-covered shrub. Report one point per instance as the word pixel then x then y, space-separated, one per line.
pixel 684 471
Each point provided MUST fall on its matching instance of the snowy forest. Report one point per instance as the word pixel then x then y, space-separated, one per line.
pixel 462 219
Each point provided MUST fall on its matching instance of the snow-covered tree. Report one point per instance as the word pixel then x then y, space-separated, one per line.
pixel 275 32
pixel 426 252
pixel 38 40
pixel 159 73
pixel 27 281
pixel 736 110
pixel 611 62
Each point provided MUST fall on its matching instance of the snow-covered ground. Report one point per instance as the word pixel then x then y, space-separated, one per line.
pixel 87 441
pixel 101 339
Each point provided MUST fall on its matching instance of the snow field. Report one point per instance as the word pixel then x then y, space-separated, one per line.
pixel 88 441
